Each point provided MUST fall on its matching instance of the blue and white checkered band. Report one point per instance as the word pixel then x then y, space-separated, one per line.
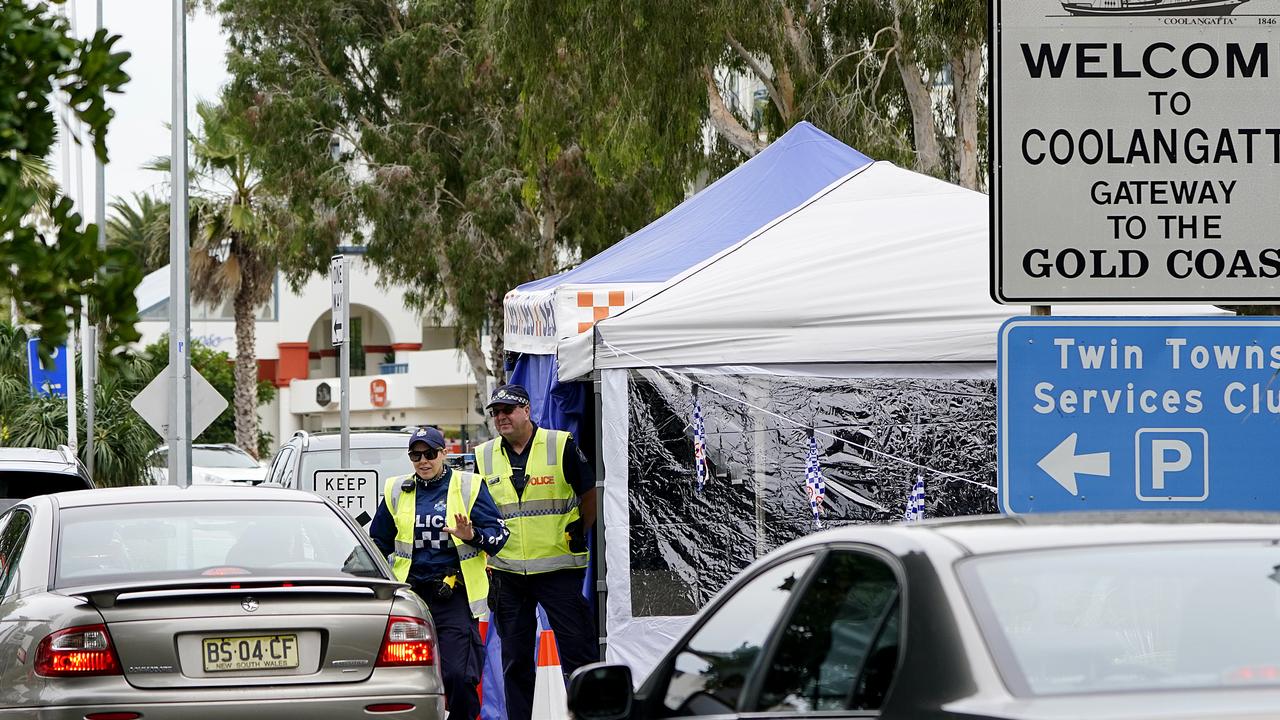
pixel 430 533
pixel 502 396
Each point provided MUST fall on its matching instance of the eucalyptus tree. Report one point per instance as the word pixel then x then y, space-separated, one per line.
pixel 899 80
pixel 394 126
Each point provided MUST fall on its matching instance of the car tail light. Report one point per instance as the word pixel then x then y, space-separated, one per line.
pixel 408 641
pixel 77 652
pixel 388 707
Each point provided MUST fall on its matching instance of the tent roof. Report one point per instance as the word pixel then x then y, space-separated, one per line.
pixel 783 175
pixel 887 265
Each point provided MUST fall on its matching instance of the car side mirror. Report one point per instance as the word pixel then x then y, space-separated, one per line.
pixel 601 691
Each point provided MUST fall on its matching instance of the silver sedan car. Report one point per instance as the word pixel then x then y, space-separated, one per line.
pixel 205 602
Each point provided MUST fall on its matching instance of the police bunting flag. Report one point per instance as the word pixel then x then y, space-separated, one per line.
pixel 813 479
pixel 699 441
pixel 915 501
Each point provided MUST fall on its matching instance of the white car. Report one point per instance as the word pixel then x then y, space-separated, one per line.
pixel 214 464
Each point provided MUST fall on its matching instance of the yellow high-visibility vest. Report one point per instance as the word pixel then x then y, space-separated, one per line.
pixel 537 518
pixel 464 488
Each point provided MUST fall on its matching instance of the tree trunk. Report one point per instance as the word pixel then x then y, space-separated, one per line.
pixel 246 369
pixel 497 348
pixel 548 221
pixel 725 124
pixel 928 152
pixel 479 368
pixel 966 73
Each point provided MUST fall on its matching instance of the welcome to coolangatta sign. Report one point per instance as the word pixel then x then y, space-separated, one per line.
pixel 1136 148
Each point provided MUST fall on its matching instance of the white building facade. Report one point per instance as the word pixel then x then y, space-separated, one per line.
pixel 405 369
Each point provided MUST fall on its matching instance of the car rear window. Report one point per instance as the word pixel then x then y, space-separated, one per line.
pixel 143 542
pixel 386 462
pixel 22 484
pixel 1131 617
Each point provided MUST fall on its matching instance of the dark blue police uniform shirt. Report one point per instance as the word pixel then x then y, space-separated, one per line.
pixel 434 555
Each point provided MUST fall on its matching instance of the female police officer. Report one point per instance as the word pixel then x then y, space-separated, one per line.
pixel 445 564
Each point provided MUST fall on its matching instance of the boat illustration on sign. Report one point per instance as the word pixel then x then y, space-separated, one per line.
pixel 1151 7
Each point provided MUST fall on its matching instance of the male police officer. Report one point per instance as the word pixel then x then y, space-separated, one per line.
pixel 445 564
pixel 545 490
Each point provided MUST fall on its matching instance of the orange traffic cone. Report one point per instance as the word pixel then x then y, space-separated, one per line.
pixel 550 702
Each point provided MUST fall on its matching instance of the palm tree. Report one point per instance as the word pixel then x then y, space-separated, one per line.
pixel 232 245
pixel 142 228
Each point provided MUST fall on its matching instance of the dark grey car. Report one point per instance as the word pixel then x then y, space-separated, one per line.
pixel 205 602
pixel 1077 616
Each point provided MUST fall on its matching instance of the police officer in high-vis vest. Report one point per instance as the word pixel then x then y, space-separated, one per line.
pixel 441 525
pixel 545 490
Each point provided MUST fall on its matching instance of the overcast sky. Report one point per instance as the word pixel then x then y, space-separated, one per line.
pixel 138 132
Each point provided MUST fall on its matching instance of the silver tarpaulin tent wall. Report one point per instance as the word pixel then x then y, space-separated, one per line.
pixel 862 317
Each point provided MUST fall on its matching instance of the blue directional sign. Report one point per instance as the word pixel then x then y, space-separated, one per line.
pixel 47 380
pixel 1139 413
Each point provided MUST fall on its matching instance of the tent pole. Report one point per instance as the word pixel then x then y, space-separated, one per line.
pixel 602 588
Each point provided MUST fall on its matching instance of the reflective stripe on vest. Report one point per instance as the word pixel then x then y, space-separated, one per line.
pixel 461 497
pixel 541 565
pixel 537 517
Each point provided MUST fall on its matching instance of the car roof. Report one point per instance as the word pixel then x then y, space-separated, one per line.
pixel 989 534
pixel 32 455
pixel 361 439
pixel 171 493
pixel 206 446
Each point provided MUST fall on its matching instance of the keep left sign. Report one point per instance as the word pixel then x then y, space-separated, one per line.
pixel 355 491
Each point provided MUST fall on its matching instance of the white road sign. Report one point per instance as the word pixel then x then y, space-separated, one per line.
pixel 355 491
pixel 153 403
pixel 1136 148
pixel 337 283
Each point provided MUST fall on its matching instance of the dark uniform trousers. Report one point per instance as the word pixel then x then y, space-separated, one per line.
pixel 461 651
pixel 513 599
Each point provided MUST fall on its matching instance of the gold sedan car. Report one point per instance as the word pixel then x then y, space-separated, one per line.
pixel 205 602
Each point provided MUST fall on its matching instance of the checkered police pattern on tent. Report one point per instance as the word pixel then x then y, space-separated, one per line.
pixel 915 501
pixel 699 442
pixel 813 479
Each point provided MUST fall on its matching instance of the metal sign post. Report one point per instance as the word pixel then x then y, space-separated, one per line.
pixel 71 391
pixel 341 318
pixel 90 331
pixel 178 435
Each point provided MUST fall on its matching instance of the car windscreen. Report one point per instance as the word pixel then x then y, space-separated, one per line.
pixel 1130 617
pixel 144 542
pixel 387 462
pixel 22 484
pixel 221 458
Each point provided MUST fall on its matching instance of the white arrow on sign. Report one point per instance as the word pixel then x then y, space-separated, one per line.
pixel 153 403
pixel 1063 464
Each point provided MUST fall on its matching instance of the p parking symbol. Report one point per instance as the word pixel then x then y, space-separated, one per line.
pixel 1172 464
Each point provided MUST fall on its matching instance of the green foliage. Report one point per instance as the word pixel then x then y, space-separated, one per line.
pixel 393 126
pixel 642 71
pixel 121 438
pixel 216 367
pixel 141 228
pixel 57 262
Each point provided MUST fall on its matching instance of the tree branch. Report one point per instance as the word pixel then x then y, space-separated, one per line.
pixel 784 104
pixel 797 39
pixel 928 153
pixel 723 121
